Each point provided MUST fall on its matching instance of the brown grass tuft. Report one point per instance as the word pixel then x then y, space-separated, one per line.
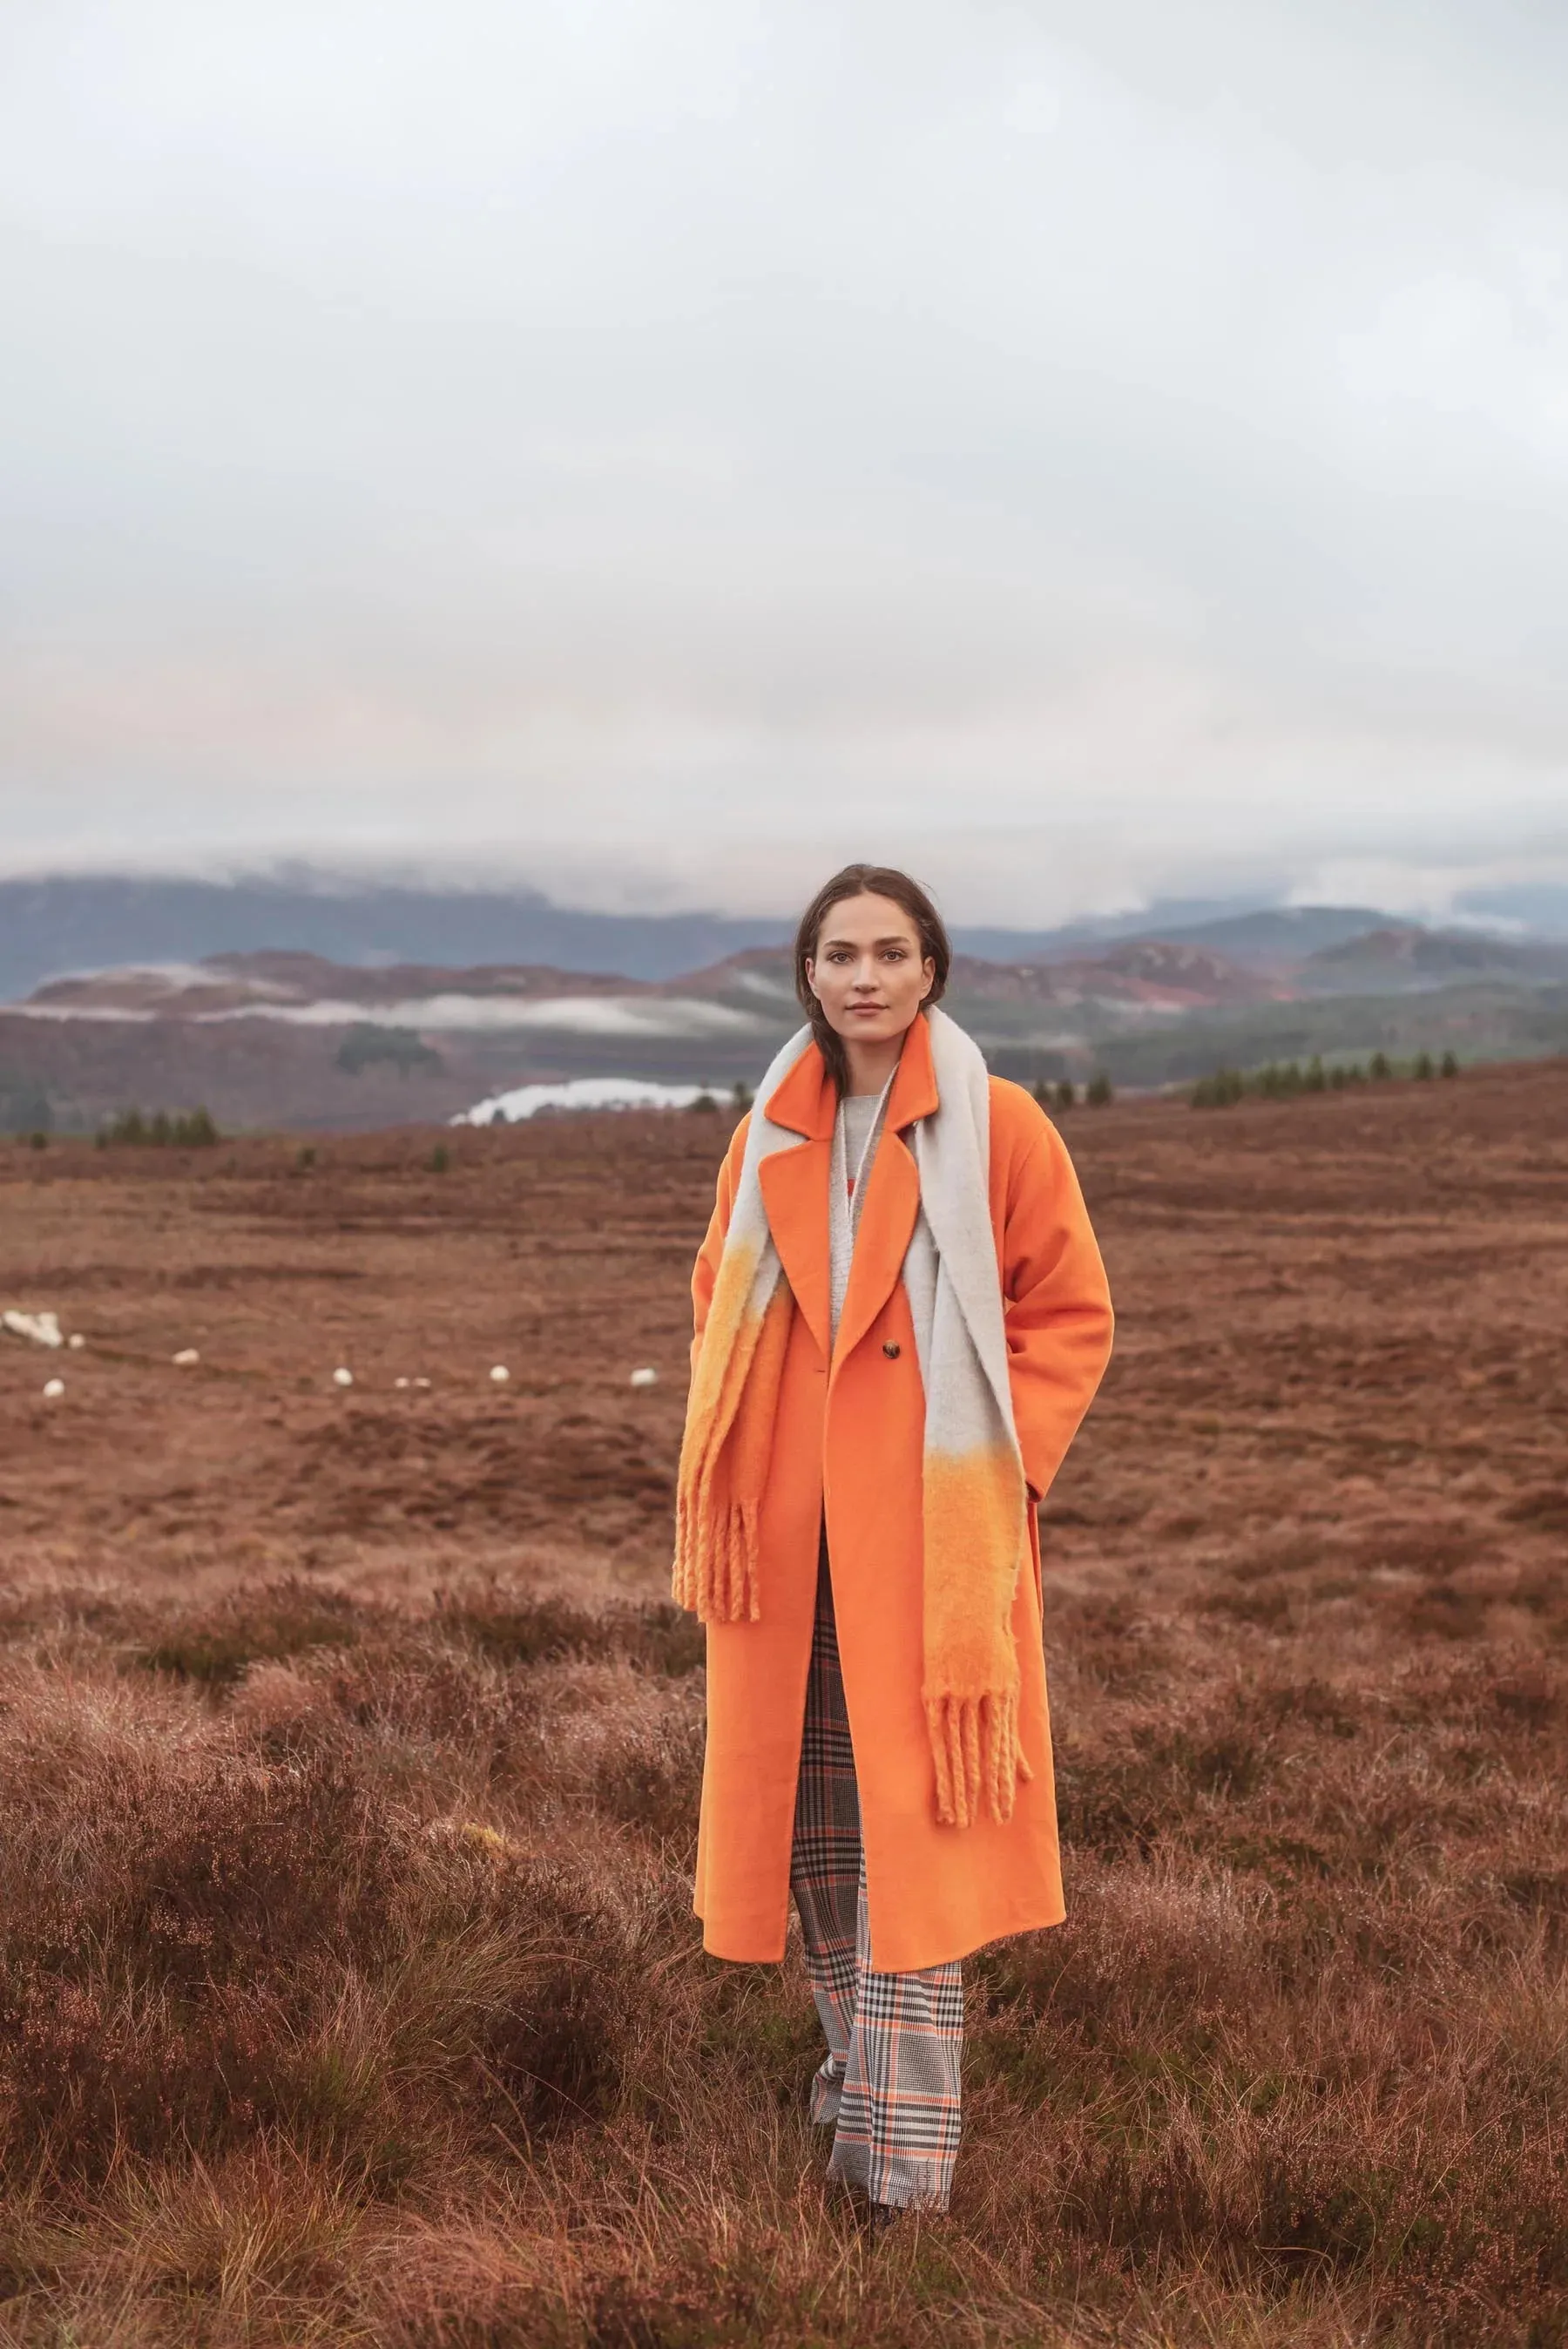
pixel 350 1753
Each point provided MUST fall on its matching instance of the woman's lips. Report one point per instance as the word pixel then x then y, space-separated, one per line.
pixel 867 1010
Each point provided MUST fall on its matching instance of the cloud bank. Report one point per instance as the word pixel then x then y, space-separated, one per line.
pixel 1086 449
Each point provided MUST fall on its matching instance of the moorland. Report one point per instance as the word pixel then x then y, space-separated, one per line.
pixel 349 1751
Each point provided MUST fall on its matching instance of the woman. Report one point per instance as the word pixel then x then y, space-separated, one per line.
pixel 901 1319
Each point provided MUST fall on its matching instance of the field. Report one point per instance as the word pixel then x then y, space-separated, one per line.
pixel 349 1759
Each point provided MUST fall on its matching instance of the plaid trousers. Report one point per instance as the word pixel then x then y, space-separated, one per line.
pixel 889 2088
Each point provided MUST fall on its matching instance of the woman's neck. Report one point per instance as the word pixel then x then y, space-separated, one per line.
pixel 871 1065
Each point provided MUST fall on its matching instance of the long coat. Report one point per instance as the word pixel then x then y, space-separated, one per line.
pixel 847 1441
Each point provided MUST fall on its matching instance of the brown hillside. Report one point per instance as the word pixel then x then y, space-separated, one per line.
pixel 279 982
pixel 349 1754
pixel 248 1073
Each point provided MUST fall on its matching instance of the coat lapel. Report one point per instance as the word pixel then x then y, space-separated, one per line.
pixel 795 1189
pixel 892 1195
pixel 795 1192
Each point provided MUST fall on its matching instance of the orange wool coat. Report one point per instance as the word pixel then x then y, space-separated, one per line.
pixel 849 1440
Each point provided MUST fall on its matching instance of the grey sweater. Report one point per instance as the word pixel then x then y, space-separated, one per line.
pixel 857 1130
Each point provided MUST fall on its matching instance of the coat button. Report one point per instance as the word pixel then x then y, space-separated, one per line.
pixel 890 1348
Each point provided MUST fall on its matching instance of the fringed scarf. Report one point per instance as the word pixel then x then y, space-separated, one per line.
pixel 973 1490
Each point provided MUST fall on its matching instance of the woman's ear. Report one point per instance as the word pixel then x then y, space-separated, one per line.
pixel 811 975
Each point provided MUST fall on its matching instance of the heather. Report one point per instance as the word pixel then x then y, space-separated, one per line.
pixel 349 1753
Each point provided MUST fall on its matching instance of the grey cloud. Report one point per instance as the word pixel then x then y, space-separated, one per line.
pixel 699 435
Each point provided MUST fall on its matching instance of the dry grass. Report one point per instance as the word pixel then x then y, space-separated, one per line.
pixel 348 1990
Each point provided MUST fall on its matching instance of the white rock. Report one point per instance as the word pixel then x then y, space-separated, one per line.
pixel 501 1374
pixel 75 1341
pixel 43 1329
pixel 644 1377
pixel 53 1389
pixel 421 1382
pixel 185 1357
pixel 400 1382
pixel 342 1377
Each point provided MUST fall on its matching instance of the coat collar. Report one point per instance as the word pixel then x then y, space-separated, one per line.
pixel 807 1102
pixel 795 1190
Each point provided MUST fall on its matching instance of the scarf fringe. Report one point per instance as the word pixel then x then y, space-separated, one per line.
pixel 724 1468
pixel 716 1564
pixel 974 1745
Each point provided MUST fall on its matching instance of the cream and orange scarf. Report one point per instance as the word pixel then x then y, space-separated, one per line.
pixel 973 1490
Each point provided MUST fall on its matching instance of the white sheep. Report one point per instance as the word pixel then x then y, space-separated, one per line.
pixel 43 1329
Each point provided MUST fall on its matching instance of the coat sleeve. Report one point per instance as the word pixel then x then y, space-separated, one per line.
pixel 1057 1300
pixel 706 1270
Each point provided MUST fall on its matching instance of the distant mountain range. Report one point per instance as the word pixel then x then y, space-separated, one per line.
pixel 1403 955
pixel 288 1036
pixel 53 927
pixel 89 922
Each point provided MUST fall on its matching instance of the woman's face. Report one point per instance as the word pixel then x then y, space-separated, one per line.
pixel 868 972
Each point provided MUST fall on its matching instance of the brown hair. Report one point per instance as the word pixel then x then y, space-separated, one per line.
pixel 865 881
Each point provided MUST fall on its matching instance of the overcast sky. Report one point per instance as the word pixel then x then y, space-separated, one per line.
pixel 1086 447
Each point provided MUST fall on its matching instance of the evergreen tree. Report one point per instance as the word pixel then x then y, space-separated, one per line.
pixel 1423 1071
pixel 1098 1091
pixel 1066 1094
pixel 1380 1070
pixel 196 1131
pixel 1449 1066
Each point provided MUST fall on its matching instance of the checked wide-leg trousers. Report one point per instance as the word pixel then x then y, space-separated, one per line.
pixel 889 2088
